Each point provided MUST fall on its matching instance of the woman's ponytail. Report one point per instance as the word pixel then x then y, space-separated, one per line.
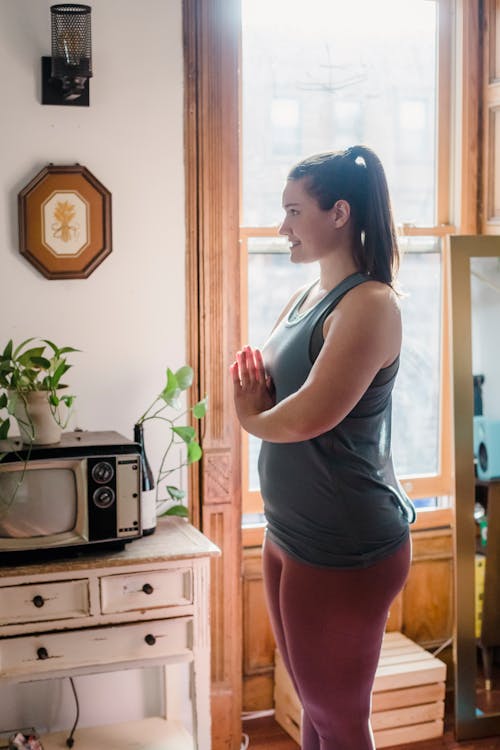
pixel 379 252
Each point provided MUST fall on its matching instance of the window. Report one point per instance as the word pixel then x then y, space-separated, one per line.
pixel 285 123
pixel 334 74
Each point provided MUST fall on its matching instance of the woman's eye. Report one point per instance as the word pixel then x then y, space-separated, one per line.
pixel 294 212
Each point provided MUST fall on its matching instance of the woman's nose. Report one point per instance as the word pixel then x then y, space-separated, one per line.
pixel 282 228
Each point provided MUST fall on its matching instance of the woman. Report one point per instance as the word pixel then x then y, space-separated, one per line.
pixel 337 548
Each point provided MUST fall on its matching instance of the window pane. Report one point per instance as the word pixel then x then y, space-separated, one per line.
pixel 415 428
pixel 416 395
pixel 326 74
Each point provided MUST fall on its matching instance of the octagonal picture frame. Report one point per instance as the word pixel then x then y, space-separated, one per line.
pixel 65 222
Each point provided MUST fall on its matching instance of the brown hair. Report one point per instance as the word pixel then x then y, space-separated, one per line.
pixel 357 176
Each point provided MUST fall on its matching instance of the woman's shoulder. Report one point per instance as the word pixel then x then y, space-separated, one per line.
pixel 372 297
pixel 373 305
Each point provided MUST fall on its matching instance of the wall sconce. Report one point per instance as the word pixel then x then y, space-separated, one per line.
pixel 65 75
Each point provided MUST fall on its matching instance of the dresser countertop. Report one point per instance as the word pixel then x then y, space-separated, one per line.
pixel 174 539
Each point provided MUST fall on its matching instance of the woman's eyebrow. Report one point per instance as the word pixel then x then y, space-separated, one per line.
pixel 289 205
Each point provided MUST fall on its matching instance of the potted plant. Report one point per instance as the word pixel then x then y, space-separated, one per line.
pixel 31 390
pixel 168 497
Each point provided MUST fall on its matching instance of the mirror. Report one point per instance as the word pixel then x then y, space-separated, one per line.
pixel 475 320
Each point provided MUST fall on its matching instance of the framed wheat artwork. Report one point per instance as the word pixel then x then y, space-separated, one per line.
pixel 65 222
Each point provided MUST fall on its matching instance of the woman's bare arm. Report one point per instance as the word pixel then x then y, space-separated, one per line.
pixel 363 336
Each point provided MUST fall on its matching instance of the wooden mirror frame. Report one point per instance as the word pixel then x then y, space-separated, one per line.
pixel 468 724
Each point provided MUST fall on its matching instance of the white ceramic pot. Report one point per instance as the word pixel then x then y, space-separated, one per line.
pixel 34 417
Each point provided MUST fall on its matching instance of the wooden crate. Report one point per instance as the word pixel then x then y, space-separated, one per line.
pixel 408 695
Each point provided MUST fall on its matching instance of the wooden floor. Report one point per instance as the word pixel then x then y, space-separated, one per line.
pixel 265 734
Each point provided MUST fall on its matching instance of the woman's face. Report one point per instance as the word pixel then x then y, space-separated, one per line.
pixel 311 231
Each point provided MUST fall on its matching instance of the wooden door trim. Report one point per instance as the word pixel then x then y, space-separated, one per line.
pixel 470 155
pixel 211 44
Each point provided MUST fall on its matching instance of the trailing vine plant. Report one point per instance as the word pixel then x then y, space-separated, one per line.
pixel 168 496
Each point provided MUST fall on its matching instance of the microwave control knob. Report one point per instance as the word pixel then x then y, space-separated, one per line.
pixel 147 588
pixel 150 639
pixel 38 601
pixel 42 653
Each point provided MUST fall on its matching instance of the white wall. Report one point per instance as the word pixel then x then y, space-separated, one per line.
pixel 128 317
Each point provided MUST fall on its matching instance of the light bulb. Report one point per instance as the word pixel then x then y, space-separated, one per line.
pixel 70 42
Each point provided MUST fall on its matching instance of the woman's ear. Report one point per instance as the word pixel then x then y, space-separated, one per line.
pixel 341 213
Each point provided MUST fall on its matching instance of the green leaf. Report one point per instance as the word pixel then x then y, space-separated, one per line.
pixel 40 362
pixel 173 399
pixel 194 452
pixel 185 433
pixel 25 380
pixel 200 409
pixel 63 350
pixel 68 400
pixel 184 377
pixel 171 392
pixel 53 399
pixel 175 493
pixel 52 346
pixel 34 356
pixel 60 370
pixel 12 402
pixel 21 346
pixel 7 352
pixel 4 428
pixel 172 383
pixel 177 510
pixel 3 401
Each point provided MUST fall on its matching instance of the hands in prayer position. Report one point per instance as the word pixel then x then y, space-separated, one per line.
pixel 253 388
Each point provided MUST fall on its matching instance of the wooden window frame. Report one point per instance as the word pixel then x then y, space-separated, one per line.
pixel 451 26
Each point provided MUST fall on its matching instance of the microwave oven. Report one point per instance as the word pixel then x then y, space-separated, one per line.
pixel 81 493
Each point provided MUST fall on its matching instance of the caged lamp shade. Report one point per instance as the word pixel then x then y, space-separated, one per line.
pixel 66 73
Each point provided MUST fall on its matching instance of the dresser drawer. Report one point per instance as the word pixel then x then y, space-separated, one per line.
pixel 149 590
pixel 42 654
pixel 42 602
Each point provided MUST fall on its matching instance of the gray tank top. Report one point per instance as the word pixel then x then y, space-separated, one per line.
pixel 333 500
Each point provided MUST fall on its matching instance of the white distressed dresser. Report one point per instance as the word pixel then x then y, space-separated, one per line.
pixel 143 606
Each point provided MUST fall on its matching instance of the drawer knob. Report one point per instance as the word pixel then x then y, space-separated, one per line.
pixel 38 600
pixel 150 639
pixel 42 653
pixel 147 588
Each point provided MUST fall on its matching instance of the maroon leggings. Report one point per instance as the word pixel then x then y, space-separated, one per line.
pixel 328 624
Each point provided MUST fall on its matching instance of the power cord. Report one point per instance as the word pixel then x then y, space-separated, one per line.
pixel 70 741
pixel 442 647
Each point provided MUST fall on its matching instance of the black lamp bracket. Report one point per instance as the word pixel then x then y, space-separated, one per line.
pixel 54 92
